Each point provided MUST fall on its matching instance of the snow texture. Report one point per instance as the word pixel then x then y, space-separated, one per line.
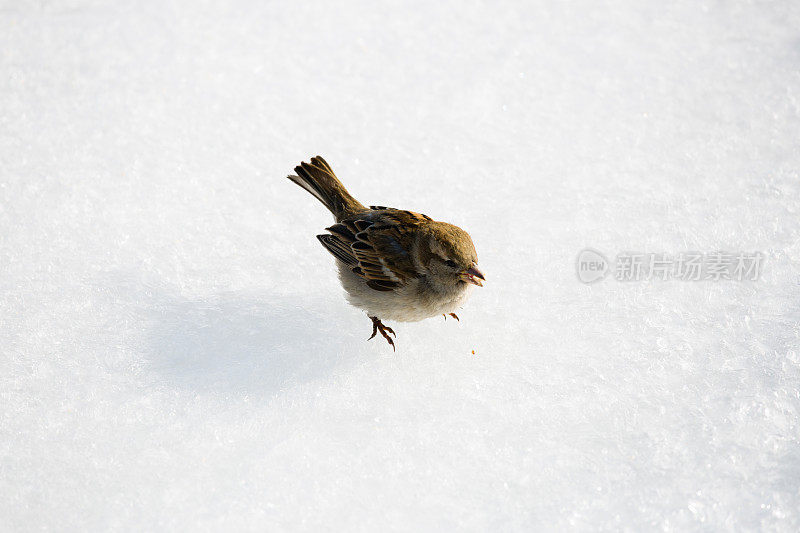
pixel 177 354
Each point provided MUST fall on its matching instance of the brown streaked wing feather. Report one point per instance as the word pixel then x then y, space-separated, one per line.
pixel 340 249
pixel 392 245
pixel 390 238
pixel 382 285
pixel 343 231
pixel 361 225
pixel 378 247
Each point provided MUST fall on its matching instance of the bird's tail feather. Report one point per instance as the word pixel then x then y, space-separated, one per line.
pixel 318 179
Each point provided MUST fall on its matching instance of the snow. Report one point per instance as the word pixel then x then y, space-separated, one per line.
pixel 177 354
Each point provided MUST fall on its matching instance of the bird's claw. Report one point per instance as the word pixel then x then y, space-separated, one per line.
pixel 377 326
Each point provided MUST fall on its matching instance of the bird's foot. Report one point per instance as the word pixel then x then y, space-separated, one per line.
pixel 377 326
pixel 454 316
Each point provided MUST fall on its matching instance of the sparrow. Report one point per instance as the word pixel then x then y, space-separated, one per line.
pixel 394 264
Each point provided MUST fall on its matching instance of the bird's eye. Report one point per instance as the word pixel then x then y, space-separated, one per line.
pixel 451 263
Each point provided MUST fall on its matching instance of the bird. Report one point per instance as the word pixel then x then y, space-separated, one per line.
pixel 394 264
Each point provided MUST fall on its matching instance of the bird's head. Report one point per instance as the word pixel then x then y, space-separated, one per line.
pixel 448 255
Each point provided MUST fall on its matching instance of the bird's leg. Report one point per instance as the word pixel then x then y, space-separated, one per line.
pixel 377 326
pixel 454 316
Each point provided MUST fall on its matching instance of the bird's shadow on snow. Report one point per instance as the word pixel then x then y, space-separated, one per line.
pixel 248 342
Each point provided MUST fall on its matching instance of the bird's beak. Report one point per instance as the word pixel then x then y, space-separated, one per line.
pixel 473 275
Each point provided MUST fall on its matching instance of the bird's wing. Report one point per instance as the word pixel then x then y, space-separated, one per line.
pixel 376 245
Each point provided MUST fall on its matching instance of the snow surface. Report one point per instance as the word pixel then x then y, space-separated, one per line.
pixel 177 354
